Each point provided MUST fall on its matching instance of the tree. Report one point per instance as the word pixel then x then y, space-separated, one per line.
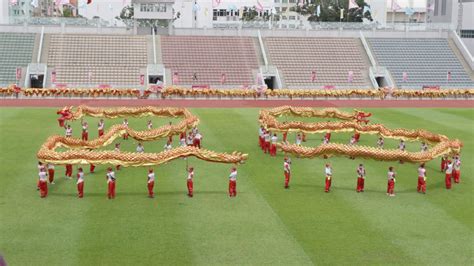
pixel 127 16
pixel 330 10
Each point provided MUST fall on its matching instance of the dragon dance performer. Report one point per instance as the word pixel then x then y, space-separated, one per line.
pixel 267 138
pixel 357 136
pixel 273 147
pixel 110 183
pixel 125 123
pixel 298 139
pixel 68 171
pixel 149 125
pixel 401 147
pixel 261 131
pixel 424 147
pixel 151 183
pixel 391 182
pixel 197 139
pixel 80 183
pixel 380 142
pixel 117 149
pixel 449 173
pixel 85 131
pixel 328 136
pixel 287 171
pixel 189 181
pixel 190 139
pixel 444 163
pixel 140 148
pixel 170 137
pixel 91 168
pixel 51 173
pixel 457 169
pixel 100 127
pixel 68 131
pixel 421 179
pixel 360 178
pixel 43 183
pixel 233 182
pixel 41 167
pixel 328 172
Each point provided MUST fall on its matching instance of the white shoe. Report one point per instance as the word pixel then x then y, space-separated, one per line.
pixel 52 183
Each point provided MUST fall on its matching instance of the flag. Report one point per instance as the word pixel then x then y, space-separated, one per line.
pixel 34 3
pixel 352 4
pixel 409 11
pixel 318 10
pixel 395 5
pixel 342 13
pixel 405 76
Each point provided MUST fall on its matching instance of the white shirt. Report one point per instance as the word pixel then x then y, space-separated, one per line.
pixel 151 177
pixel 140 149
pixel 50 166
pixel 125 123
pixel 352 141
pixel 80 178
pixel 298 140
pixel 233 175
pixel 457 165
pixel 421 172
pixel 150 126
pixel 424 147
pixel 117 149
pixel 274 139
pixel 190 140
pixel 391 175
pixel 401 146
pixel 361 172
pixel 190 175
pixel 286 167
pixel 101 126
pixel 69 132
pixel 267 137
pixel 42 176
pixel 328 171
pixel 380 143
pixel 198 136
pixel 84 128
pixel 40 167
pixel 167 147
pixel 260 132
pixel 110 177
pixel 449 168
pixel 182 142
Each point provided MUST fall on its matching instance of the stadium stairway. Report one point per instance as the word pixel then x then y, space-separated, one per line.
pixel 16 50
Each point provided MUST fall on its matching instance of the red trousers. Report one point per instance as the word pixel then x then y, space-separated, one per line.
pixel 85 136
pixel 456 175
pixel 80 189
pixel 261 142
pixel 304 137
pixel 170 139
pixel 61 122
pixel 421 185
pixel 190 187
pixel 101 132
pixel 390 187
pixel 232 188
pixel 328 184
pixel 273 150
pixel 125 136
pixel 91 169
pixel 117 167
pixel 197 143
pixel 266 147
pixel 150 186
pixel 360 184
pixel 443 165
pixel 448 181
pixel 285 136
pixel 357 137
pixel 51 175
pixel 43 186
pixel 68 170
pixel 111 190
pixel 287 179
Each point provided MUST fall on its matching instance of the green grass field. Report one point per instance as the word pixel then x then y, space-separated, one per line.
pixel 264 224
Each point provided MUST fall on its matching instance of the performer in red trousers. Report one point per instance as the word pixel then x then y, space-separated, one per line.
pixel 267 137
pixel 401 147
pixel 233 182
pixel 444 163
pixel 449 173
pixel 273 147
pixel 391 182
pixel 68 131
pixel 328 172
pixel 117 149
pixel 110 183
pixel 85 131
pixel 197 139
pixel 100 127
pixel 357 136
pixel 360 178
pixel 69 171
pixel 41 167
pixel 303 138
pixel 328 136
pixel 51 173
pixel 190 181
pixel 421 179
pixel 380 143
pixel 285 136
pixel 287 170
pixel 125 123
pixel 92 168
pixel 43 183
pixel 298 139
pixel 151 183
pixel 80 183
pixel 170 137
pixel 457 169
pixel 261 131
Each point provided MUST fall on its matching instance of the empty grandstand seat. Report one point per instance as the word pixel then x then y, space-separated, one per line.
pixel 16 50
pixel 114 60
pixel 209 58
pixel 331 59
pixel 426 62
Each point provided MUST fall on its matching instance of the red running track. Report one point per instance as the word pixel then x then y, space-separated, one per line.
pixel 238 103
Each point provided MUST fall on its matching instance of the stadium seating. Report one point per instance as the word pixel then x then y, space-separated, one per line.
pixel 426 62
pixel 16 50
pixel 114 60
pixel 332 59
pixel 209 58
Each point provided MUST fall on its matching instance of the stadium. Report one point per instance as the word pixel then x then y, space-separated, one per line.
pixel 246 132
